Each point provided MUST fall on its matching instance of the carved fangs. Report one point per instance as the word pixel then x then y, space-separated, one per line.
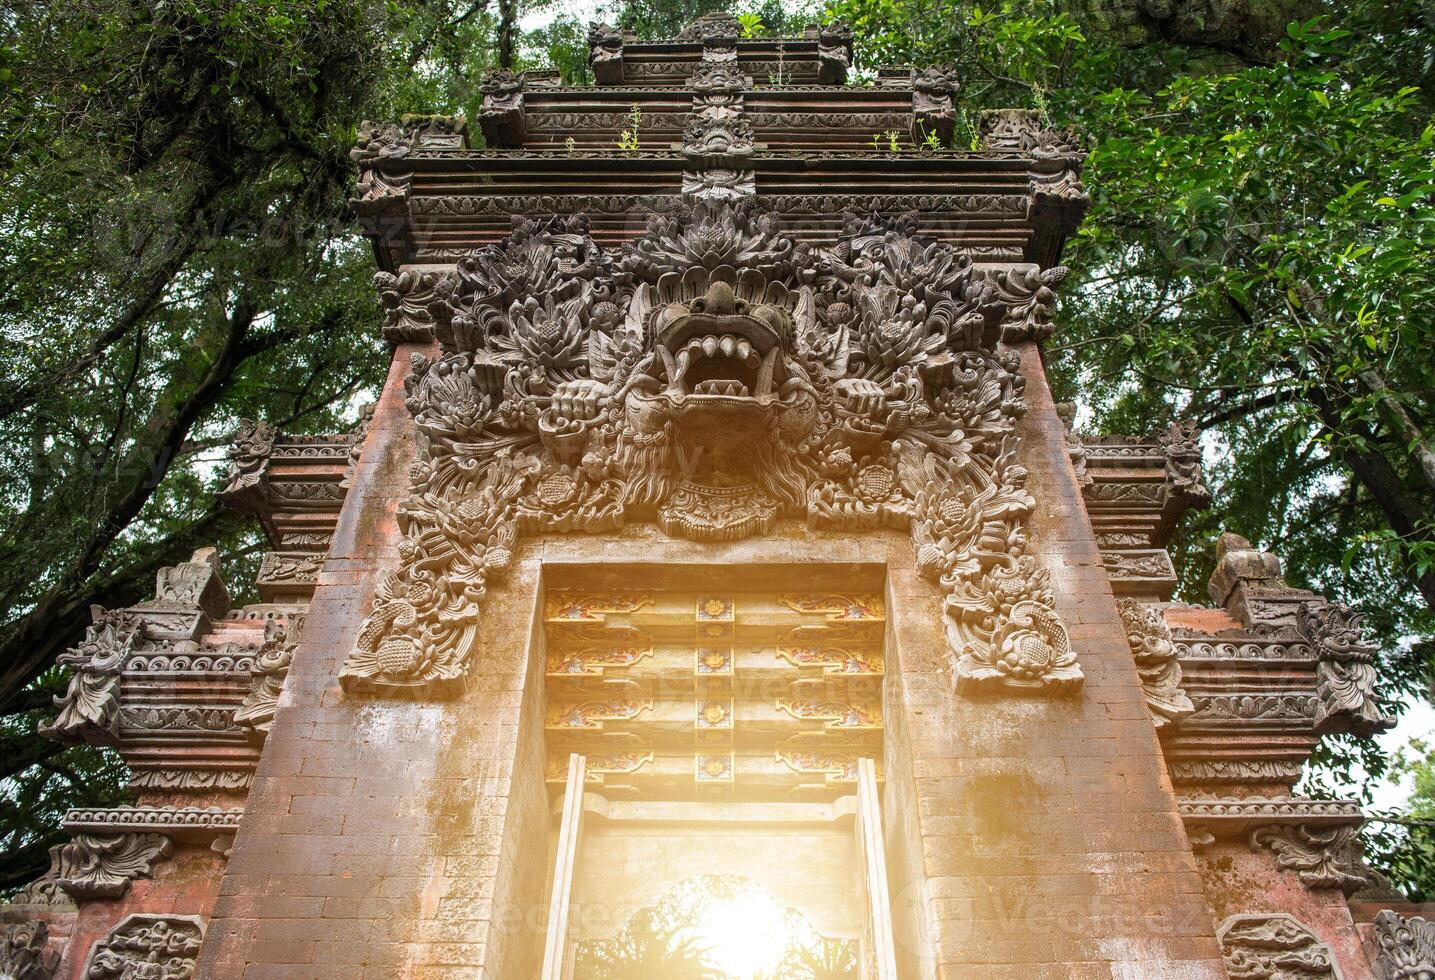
pixel 725 365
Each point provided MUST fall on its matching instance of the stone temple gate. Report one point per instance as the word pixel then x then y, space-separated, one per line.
pixel 716 573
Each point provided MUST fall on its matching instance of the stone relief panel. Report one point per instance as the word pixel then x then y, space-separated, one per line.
pixel 147 947
pixel 1273 947
pixel 712 377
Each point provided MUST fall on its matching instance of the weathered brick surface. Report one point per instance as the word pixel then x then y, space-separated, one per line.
pixel 186 883
pixel 1027 837
pixel 1240 881
pixel 1048 830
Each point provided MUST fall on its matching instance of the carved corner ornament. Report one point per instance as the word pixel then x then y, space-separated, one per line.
pixel 1057 154
pixel 1154 650
pixel 90 706
pixel 834 53
pixel 1404 947
pixel 605 53
pixel 1261 947
pixel 714 377
pixel 413 300
pixel 271 669
pixel 103 865
pixel 248 463
pixel 1181 442
pixel 23 952
pixel 163 947
pixel 501 116
pixel 1323 857
pixel 934 111
pixel 1345 670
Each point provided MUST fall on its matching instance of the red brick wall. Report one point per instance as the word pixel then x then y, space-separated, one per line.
pixel 1050 839
pixel 1028 837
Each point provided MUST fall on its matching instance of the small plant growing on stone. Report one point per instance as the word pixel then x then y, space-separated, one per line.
pixel 628 139
pixel 570 144
pixel 892 143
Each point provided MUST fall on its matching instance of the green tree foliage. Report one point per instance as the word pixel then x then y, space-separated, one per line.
pixel 179 254
pixel 1408 844
pixel 1258 256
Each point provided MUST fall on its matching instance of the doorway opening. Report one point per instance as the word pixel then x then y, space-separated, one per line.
pixel 714 751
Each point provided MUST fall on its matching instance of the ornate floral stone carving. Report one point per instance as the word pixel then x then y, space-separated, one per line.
pixel 719 184
pixel 1404 947
pixel 501 116
pixel 23 955
pixel 720 24
pixel 1324 857
pixel 1030 297
pixel 271 668
pixel 1345 684
pixel 89 709
pixel 147 947
pixel 714 377
pixel 718 78
pixel 1023 131
pixel 1273 947
pixel 1057 154
pixel 605 53
pixel 1155 653
pixel 194 584
pixel 103 865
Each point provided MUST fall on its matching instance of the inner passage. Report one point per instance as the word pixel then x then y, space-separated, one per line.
pixel 720 734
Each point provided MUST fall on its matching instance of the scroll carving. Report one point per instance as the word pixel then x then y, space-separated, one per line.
pixel 1345 682
pixel 715 377
pixel 1323 857
pixel 90 707
pixel 103 865
pixel 1404 947
pixel 1154 651
pixel 271 668
pixel 411 300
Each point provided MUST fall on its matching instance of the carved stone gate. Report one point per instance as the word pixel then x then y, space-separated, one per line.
pixel 716 483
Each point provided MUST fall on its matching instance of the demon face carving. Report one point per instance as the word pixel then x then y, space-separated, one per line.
pixel 714 377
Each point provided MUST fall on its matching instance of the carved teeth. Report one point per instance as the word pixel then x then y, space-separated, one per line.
pixel 719 387
pixel 710 345
pixel 744 352
pixel 728 344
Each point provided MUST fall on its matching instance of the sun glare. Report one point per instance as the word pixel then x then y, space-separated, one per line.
pixel 745 936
